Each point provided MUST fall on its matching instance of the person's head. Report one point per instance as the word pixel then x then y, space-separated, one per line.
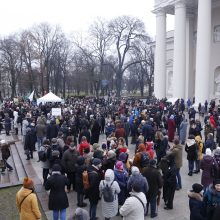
pixel 197 188
pixel 84 138
pixel 109 175
pixel 72 146
pixel 208 152
pixel 54 141
pixel 86 150
pixel 216 184
pixel 111 154
pixel 121 141
pixel 95 146
pixel 28 183
pixel 135 171
pixel 97 163
pixel 153 163
pixel 136 186
pixel 123 157
pixel 210 136
pixel 176 141
pixel 46 143
pixel 119 165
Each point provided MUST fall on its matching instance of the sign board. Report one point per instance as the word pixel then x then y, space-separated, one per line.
pixel 56 111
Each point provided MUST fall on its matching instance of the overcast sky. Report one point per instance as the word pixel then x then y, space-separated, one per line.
pixel 72 15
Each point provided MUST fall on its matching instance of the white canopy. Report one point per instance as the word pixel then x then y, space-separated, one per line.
pixel 50 97
pixel 172 100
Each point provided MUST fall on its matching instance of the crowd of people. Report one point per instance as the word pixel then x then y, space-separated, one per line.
pixel 126 182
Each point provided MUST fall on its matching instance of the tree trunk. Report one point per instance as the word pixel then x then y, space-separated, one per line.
pixel 118 84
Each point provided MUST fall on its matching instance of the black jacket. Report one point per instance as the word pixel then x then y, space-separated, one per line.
pixel 57 198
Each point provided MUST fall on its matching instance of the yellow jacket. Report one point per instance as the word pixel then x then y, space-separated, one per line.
pixel 200 146
pixel 29 209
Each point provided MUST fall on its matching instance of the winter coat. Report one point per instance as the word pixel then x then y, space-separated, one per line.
pixel 95 133
pixel 183 131
pixel 79 170
pixel 120 132
pixel 121 176
pixel 25 124
pixel 52 130
pixel 160 148
pixel 30 140
pixel 171 129
pixel 206 165
pixel 109 209
pixel 7 123
pixel 177 151
pixel 69 160
pixel 154 180
pixel 133 208
pixel 212 203
pixel 95 177
pixel 147 131
pixel 5 150
pixel 109 163
pixel 45 164
pixel 40 130
pixel 196 206
pixel 191 149
pixel 15 121
pixel 150 151
pixel 199 147
pixel 57 198
pixel 136 175
pixel 29 209
pixel 210 144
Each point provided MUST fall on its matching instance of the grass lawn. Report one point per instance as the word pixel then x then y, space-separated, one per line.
pixel 8 209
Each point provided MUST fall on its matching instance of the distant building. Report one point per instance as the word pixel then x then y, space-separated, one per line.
pixel 187 60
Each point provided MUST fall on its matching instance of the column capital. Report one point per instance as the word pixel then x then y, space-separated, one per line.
pixel 160 12
pixel 180 3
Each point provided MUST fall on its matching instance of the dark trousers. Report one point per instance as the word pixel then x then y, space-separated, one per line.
pixel 169 192
pixel 71 178
pixel 7 165
pixel 178 178
pixel 92 211
pixel 80 198
pixel 153 204
pixel 191 165
pixel 45 174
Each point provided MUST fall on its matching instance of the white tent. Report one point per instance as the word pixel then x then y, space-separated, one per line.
pixel 172 100
pixel 50 97
pixel 31 96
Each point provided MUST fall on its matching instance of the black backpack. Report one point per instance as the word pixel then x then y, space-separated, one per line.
pixel 145 159
pixel 42 155
pixel 107 193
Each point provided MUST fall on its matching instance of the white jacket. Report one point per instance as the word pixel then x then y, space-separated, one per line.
pixel 132 208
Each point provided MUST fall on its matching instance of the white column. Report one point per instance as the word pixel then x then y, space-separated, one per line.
pixel 160 56
pixel 203 51
pixel 190 75
pixel 179 65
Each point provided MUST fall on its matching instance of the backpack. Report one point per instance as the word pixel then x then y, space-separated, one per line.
pixel 145 159
pixel 42 155
pixel 55 153
pixel 107 193
pixel 85 179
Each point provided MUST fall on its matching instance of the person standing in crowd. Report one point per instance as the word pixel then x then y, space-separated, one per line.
pixel 155 181
pixel 95 131
pixel 58 200
pixel 199 153
pixel 69 161
pixel 95 176
pixel 177 152
pixel 25 124
pixel 169 186
pixel 196 205
pixel 45 163
pixel 52 130
pixel 171 128
pixel 83 145
pixel 7 124
pixel 5 152
pixel 80 168
pixel 29 143
pixel 135 205
pixel 191 150
pixel 183 131
pixel 206 166
pixel 212 200
pixel 109 209
pixel 26 201
pixel 40 132
pixel 15 121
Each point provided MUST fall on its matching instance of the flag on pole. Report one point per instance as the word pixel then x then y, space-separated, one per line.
pixel 31 96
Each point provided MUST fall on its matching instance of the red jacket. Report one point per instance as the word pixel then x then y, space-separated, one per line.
pixel 82 146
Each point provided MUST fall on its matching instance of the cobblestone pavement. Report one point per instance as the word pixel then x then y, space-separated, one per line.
pixel 180 211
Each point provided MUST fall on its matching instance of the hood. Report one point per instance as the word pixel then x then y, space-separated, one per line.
pixel 195 195
pixel 198 138
pixel 149 145
pixel 109 175
pixel 208 159
pixel 135 171
pixel 190 142
pixel 141 148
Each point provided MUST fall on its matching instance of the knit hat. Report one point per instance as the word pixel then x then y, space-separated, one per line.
pixel 217 151
pixel 28 183
pixel 111 154
pixel 104 146
pixel 80 160
pixel 96 161
pixel 208 152
pixel 197 188
pixel 56 167
pixel 95 146
pixel 216 181
pixel 119 165
pixel 54 141
pixel 135 171
pixel 123 157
